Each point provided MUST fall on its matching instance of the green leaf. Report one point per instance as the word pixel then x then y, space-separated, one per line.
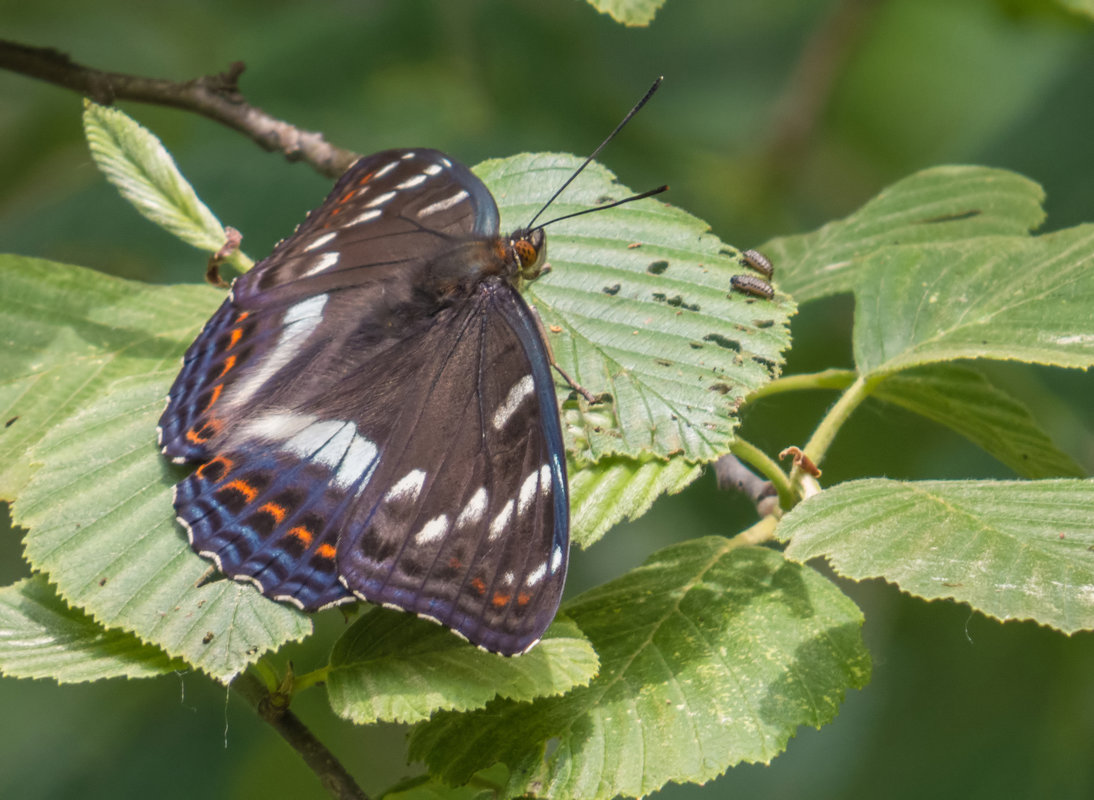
pixel 962 399
pixel 629 12
pixel 1084 7
pixel 638 305
pixel 1013 550
pixel 1026 299
pixel 41 637
pixel 710 655
pixel 99 520
pixel 937 205
pixel 68 332
pixel 392 666
pixel 138 164
pixel 616 489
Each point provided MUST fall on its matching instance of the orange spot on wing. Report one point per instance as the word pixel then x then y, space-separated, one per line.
pixel 236 335
pixel 455 563
pixel 227 467
pixel 325 551
pixel 244 489
pixel 229 362
pixel 346 197
pixel 366 179
pixel 335 211
pixel 500 600
pixel 274 510
pixel 478 585
pixel 523 598
pixel 216 395
pixel 303 534
pixel 243 315
pixel 205 432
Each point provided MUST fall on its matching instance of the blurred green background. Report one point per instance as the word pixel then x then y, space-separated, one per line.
pixel 774 118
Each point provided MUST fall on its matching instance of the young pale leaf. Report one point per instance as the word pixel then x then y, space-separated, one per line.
pixel 962 399
pixel 1026 299
pixel 711 654
pixel 937 205
pixel 391 666
pixel 1085 7
pixel 1013 550
pixel 68 332
pixel 138 164
pixel 629 12
pixel 638 306
pixel 616 489
pixel 99 521
pixel 42 637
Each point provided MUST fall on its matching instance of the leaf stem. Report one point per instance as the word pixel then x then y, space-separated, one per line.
pixel 267 673
pixel 768 467
pixel 763 531
pixel 835 418
pixel 310 679
pixel 825 379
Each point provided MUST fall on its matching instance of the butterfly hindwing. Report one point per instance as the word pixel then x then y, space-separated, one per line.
pixel 363 433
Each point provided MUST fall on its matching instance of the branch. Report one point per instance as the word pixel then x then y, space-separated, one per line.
pixel 806 97
pixel 733 474
pixel 214 96
pixel 273 709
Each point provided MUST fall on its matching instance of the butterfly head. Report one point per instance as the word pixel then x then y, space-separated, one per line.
pixel 528 248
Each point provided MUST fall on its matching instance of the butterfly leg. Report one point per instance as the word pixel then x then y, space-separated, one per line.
pixel 577 387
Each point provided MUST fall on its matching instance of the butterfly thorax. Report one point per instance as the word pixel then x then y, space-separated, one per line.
pixel 459 270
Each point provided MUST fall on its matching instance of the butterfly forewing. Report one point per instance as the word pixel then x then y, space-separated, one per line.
pixel 466 520
pixel 366 430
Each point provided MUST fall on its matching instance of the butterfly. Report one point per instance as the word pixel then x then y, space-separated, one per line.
pixel 374 414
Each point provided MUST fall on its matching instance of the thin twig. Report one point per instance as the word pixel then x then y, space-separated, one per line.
pixel 334 777
pixel 806 97
pixel 733 474
pixel 214 96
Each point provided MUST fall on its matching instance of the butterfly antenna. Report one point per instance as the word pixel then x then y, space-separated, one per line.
pixel 642 196
pixel 596 152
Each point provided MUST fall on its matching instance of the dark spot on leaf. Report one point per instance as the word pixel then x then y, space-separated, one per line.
pixel 695 345
pixel 676 301
pixel 604 199
pixel 613 289
pixel 102 581
pixel 725 251
pixel 663 362
pixel 742 328
pixel 721 388
pixel 208 637
pixel 763 323
pixel 956 217
pixel 660 297
pixel 657 267
pixel 722 341
pixel 765 362
pixel 10 422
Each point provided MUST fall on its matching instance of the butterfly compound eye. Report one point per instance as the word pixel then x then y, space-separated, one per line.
pixel 531 249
